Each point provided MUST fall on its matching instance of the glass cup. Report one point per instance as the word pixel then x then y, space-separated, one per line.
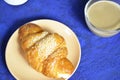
pixel 99 32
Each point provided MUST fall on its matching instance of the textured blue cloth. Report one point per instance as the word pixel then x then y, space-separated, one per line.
pixel 100 56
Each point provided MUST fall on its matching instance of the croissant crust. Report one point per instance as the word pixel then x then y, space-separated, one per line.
pixel 44 51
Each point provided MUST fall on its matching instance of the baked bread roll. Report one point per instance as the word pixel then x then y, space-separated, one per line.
pixel 28 29
pixel 57 65
pixel 28 41
pixel 45 52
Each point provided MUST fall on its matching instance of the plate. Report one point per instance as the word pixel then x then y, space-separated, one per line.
pixel 19 67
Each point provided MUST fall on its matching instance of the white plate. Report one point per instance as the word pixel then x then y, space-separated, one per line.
pixel 19 67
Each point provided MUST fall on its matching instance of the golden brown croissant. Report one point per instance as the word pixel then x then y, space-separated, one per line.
pixel 57 65
pixel 45 52
pixel 28 29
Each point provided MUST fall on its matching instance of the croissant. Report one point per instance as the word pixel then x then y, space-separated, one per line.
pixel 44 51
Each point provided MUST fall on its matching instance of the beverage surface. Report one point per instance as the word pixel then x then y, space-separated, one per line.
pixel 104 15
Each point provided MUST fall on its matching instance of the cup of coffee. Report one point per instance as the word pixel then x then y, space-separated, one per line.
pixel 15 2
pixel 102 17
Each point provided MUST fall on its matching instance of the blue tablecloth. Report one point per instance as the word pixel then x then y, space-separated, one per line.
pixel 100 56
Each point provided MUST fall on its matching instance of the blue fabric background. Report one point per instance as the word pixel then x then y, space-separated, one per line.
pixel 100 56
